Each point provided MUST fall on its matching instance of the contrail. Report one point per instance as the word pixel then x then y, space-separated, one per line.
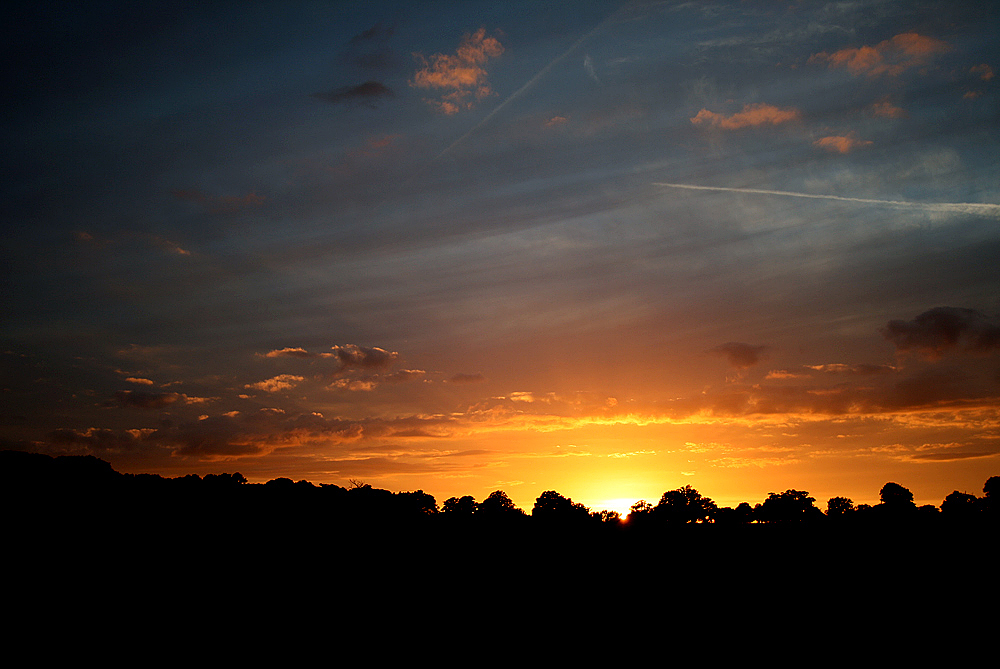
pixel 992 210
pixel 519 92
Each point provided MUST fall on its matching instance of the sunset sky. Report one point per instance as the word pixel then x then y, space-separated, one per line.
pixel 603 248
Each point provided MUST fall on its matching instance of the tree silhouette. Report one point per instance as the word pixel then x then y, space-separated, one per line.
pixel 960 505
pixel 684 505
pixel 498 505
pixel 991 496
pixel 741 515
pixel 786 507
pixel 611 517
pixel 895 495
pixel 553 507
pixel 839 506
pixel 460 506
pixel 639 513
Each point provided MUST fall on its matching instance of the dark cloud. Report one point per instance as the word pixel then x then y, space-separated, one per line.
pixel 247 434
pixel 136 399
pixel 352 355
pixel 942 328
pixel 740 356
pixel 92 440
pixel 367 93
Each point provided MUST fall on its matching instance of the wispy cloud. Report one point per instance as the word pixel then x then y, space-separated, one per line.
pixel 982 209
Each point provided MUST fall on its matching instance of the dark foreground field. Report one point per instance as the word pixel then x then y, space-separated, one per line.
pixel 97 550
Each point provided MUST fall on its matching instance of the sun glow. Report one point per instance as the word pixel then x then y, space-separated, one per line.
pixel 619 504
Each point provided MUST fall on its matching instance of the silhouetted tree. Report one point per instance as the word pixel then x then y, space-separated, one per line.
pixel 990 502
pixel 896 505
pixel 684 505
pixel 610 517
pixel 789 506
pixel 893 494
pixel 839 506
pixel 639 513
pixel 417 503
pixel 741 515
pixel 460 506
pixel 498 505
pixel 960 506
pixel 553 507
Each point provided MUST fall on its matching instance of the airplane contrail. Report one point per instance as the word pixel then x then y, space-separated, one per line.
pixel 519 92
pixel 959 207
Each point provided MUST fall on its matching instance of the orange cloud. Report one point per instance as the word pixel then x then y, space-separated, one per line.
pixel 461 74
pixel 892 56
pixel 751 115
pixel 273 385
pixel 841 143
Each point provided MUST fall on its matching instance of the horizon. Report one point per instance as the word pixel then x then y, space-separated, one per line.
pixel 606 249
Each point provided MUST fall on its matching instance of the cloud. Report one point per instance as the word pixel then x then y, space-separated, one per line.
pixel 461 75
pixel 975 208
pixel 135 399
pixel 943 328
pixel 740 356
pixel 367 94
pixel 92 440
pixel 290 353
pixel 891 57
pixel 841 143
pixel 812 371
pixel 362 357
pixel 256 433
pixel 280 382
pixel 752 115
pixel 984 71
pixel 887 110
pixel 144 382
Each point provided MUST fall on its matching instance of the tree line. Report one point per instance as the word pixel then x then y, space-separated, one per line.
pixel 88 489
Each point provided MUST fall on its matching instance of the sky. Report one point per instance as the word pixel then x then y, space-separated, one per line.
pixel 603 248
